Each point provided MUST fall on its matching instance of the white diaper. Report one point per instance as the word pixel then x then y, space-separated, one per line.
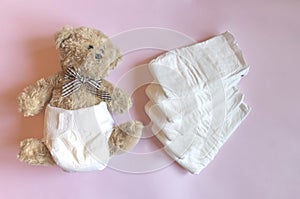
pixel 78 139
pixel 195 103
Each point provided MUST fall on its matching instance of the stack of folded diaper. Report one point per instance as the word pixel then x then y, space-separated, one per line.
pixel 195 103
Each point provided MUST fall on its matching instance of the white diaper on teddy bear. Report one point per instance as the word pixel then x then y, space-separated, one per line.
pixel 78 139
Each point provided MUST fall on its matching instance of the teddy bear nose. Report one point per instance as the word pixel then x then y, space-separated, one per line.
pixel 98 56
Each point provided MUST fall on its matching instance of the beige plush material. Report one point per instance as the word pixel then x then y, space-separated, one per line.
pixel 92 52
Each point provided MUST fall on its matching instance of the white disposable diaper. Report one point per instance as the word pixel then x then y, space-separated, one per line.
pixel 78 139
pixel 195 103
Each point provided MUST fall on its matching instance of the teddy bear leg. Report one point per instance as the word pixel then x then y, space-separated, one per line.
pixel 35 152
pixel 124 137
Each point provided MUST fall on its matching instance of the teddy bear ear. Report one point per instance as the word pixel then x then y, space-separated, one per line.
pixel 117 59
pixel 62 35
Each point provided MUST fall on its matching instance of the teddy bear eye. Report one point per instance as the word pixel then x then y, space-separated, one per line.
pixel 90 47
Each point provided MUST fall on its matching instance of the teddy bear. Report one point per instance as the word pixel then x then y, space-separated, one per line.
pixel 79 131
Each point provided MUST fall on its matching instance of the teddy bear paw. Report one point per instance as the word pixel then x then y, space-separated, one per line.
pixel 34 152
pixel 125 137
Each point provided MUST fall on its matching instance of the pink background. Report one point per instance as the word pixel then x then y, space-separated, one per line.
pixel 261 160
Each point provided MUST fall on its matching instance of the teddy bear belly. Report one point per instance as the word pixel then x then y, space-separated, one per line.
pixel 78 139
pixel 79 99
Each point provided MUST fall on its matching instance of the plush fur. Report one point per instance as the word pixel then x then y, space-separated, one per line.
pixel 94 54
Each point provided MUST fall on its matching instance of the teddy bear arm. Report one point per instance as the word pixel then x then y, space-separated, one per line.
pixel 34 97
pixel 120 102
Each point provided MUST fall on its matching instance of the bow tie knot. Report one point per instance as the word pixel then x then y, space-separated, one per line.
pixel 84 80
pixel 73 81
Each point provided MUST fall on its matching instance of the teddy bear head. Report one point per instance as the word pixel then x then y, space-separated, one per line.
pixel 87 50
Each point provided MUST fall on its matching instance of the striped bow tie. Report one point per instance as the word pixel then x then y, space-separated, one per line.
pixel 73 81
